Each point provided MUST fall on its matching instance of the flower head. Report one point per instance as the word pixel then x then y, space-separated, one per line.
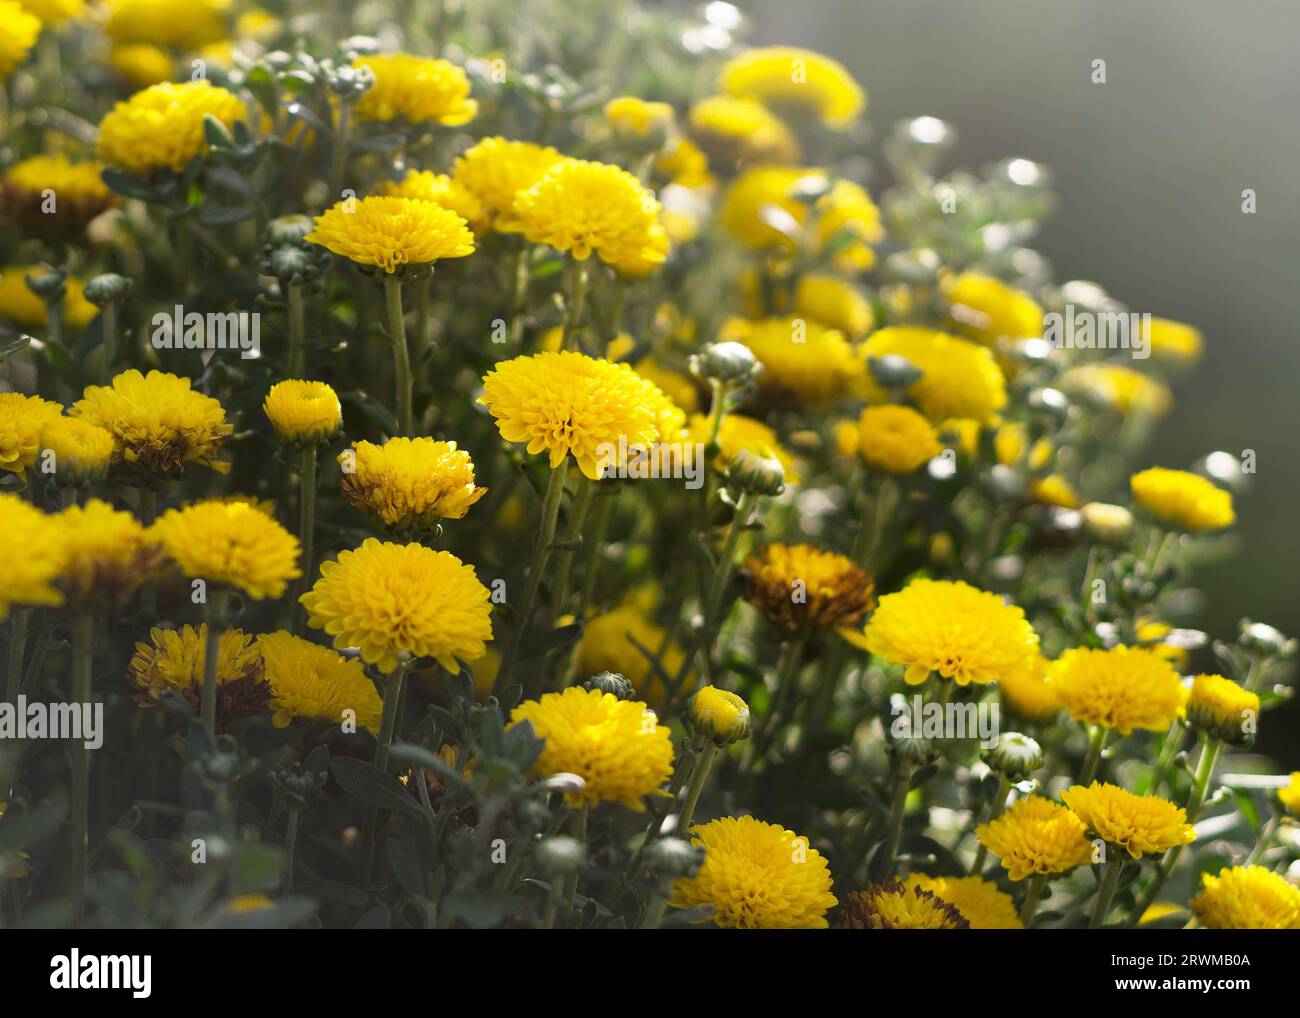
pixel 1139 824
pixel 54 12
pixel 990 312
pixel 980 902
pixel 1118 388
pixel 1289 795
pixel 33 551
pixel 896 439
pixel 80 451
pixel 21 31
pixel 1028 694
pixel 1247 898
pixel 1182 500
pixel 141 64
pixel 418 89
pixel 172 662
pixel 757 876
pixel 410 483
pixel 22 306
pixel 740 432
pixel 109 554
pixel 833 302
pixel 1121 688
pixel 799 587
pixel 395 601
pixel 801 359
pixel 958 378
pixel 441 189
pixel 496 169
pixel 1223 710
pixel 179 24
pixel 1036 836
pixel 786 76
pixel 1172 342
pixel 161 127
pixel 82 195
pixel 718 715
pixel 949 627
pixel 634 119
pixel 895 905
pixel 616 746
pixel 387 233
pixel 733 132
pixel 303 413
pixel 314 682
pixel 232 543
pixel 22 419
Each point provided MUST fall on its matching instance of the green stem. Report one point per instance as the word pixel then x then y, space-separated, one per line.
pixel 297 330
pixel 290 848
pixel 1109 881
pixel 998 805
pixel 700 774
pixel 340 158
pixel 894 832
pixel 1032 893
pixel 392 701
pixel 722 574
pixel 18 626
pixel 109 322
pixel 83 635
pixel 216 616
pixel 401 354
pixel 579 832
pixel 654 911
pixel 577 302
pixel 572 538
pixel 306 523
pixel 148 513
pixel 1096 742
pixel 518 293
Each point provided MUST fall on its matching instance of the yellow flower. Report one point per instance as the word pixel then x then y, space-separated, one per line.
pixel 245 903
pixel 741 432
pixel 1118 388
pixel 439 188
pixel 949 627
pixel 958 378
pixel 683 164
pixel 718 715
pixel 1139 824
pixel 314 682
pixel 757 876
pixel 1055 490
pixel 611 643
pixel 894 905
pixel 745 207
pixel 22 419
pixel 799 587
pixel 786 76
pixel 410 483
pixel 637 119
pixel 568 403
pixel 390 232
pixel 1182 500
pixel 1036 836
pixel 172 662
pixel 1289 796
pixel 1224 710
pixel 1121 688
pixel 178 24
pixel 303 413
pixel 55 12
pixel 849 219
pixel 800 358
pixel 141 64
pixel 232 543
pixel 616 746
pixel 157 421
pixel 1028 694
pixel 395 601
pixel 990 312
pixel 109 554
pixel 80 194
pixel 581 207
pixel 896 439
pixel 1171 341
pixel 496 169
pixel 1011 445
pixel 1247 898
pixel 161 127
pixel 417 89
pixel 21 31
pixel 980 903
pixel 675 385
pixel 735 132
pixel 22 307
pixel 80 452
pixel 33 551
pixel 834 302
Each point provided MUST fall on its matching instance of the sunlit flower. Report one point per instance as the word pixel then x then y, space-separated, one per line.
pixel 303 413
pixel 55 12
pixel 179 24
pixel 1247 898
pixel 22 419
pixel 172 662
pixel 683 164
pixel 847 225
pixel 495 169
pixel 1121 688
pixel 109 554
pixel 1170 341
pixel 784 76
pixel 23 307
pixel 1289 795
pixel 418 89
pixel 161 127
pixel 21 31
pixel 390 232
pixel 441 189
pixel 410 483
pixel 1036 836
pixel 990 312
pixel 733 131
pixel 1182 500
pixel 1222 709
pixel 740 432
pixel 747 206
pixel 636 119
pixel 799 587
pixel 79 195
pixel 231 543
pixel 1056 490
pixel 834 302
pixel 801 358
pixel 980 903
pixel 314 682
pixel 33 552
pixel 141 63
pixel 896 439
pixel 894 905
pixel 1139 824
pixel 1118 388
pixel 959 379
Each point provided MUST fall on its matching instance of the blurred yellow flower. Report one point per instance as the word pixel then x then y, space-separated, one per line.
pixel 22 307
pixel 1289 795
pixel 495 169
pixel 834 302
pixel 1028 694
pixel 1119 388
pixel 634 118
pixel 33 551
pixel 109 554
pixel 1247 898
pixel 388 232
pixel 612 642
pixel 440 189
pixel 736 132
pixel 22 419
pixel 800 588
pixel 990 312
pixel 21 31
pixel 418 89
pixel 80 194
pixel 161 127
pixel 177 24
pixel 141 63
pixel 55 12
pixel 1139 824
pixel 958 378
pixel 1182 500
pixel 785 76
pixel 800 358
pixel 896 439
pixel 314 682
pixel 1171 341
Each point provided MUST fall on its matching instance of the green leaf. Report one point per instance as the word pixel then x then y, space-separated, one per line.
pixel 216 133
pixel 61 361
pixel 481 909
pixel 129 186
pixel 366 783
pixel 1247 806
pixel 11 345
pixel 216 215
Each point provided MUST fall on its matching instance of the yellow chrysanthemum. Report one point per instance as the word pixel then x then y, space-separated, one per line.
pixel 834 302
pixel 980 903
pixel 616 746
pixel 1118 388
pixel 1121 688
pixel 1222 709
pixel 570 404
pixel 1036 836
pixel 733 132
pixel 21 31
pixel 22 419
pixel 800 358
pixel 1028 694
pixel 959 379
pixel 173 661
pixel 799 587
pixel 612 642
pixel 33 551
pixel 79 452
pixel 141 63
pixel 741 432
pixel 441 189
pixel 683 164
pixel 1011 445
pixel 1170 341
pixel 1182 500
pixel 161 127
pixel 418 89
pixel 583 207
pixel 789 189
pixel 231 543
pixel 394 601
pixel 303 413
pixel 896 439
pixel 637 119
pixel 22 307
pixel 675 385
pixel 178 24
pixel 1055 490
pixel 757 876
pixel 718 715
pixel 990 312
pixel 849 221
pixel 79 194
pixel 496 169
pixel 1247 898
pixel 784 76
pixel 314 682
pixel 391 232
pixel 950 628
pixel 109 554
pixel 55 12
pixel 1139 824
pixel 1289 795
pixel 894 905
pixel 157 421
pixel 410 483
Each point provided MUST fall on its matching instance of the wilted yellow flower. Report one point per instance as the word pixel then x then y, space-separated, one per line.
pixel 395 602
pixel 161 127
pixel 157 421
pixel 1121 688
pixel 834 302
pixel 894 905
pixel 22 307
pixel 958 378
pixel 637 119
pixel 21 31
pixel 33 551
pixel 22 419
pixel 718 715
pixel 896 439
pixel 303 413
pixel 232 543
pixel 568 403
pixel 799 587
pixel 55 12
pixel 1036 836
pixel 314 682
pixel 949 627
pixel 1028 694
pixel 786 76
pixel 179 24
pixel 1223 710
pixel 172 662
pixel 1247 898
pixel 616 746
pixel 741 132
pixel 757 876
pixel 1289 795
pixel 1182 500
pixel 141 64
pixel 496 169
pixel 410 483
pixel 441 189
pixel 800 358
pixel 611 642
pixel 980 903
pixel 109 554
pixel 418 89
pixel 990 312
pixel 1139 824
pixel 391 232
pixel 1119 388
pixel 79 194
pixel 1171 341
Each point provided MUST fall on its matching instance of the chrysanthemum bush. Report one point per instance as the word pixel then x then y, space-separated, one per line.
pixel 623 519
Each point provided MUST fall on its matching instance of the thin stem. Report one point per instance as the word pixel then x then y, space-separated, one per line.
pixel 700 774
pixel 18 625
pixel 306 520
pixel 518 292
pixel 109 322
pixel 401 354
pixel 216 615
pixel 1096 742
pixel 579 832
pixel 290 847
pixel 998 805
pixel 297 330
pixel 572 538
pixel 894 832
pixel 1109 881
pixel 722 575
pixel 1032 893
pixel 339 161
pixel 392 701
pixel 654 910
pixel 148 513
pixel 577 302
pixel 83 635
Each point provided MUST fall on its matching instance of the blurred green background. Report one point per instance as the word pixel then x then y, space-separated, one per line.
pixel 1200 103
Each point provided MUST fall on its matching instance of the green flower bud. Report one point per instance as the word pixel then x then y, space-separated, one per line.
pixel 730 364
pixel 1014 756
pixel 913 751
pixel 613 683
pixel 107 289
pixel 893 371
pixel 673 857
pixel 1261 638
pixel 718 715
pixel 288 230
pixel 49 286
pixel 1109 524
pixel 755 473
pixel 560 856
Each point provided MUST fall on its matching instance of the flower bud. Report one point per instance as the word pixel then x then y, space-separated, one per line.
pixel 893 371
pixel 718 715
pixel 673 857
pixel 1261 638
pixel 1223 710
pixel 756 473
pixel 304 413
pixel 288 230
pixel 107 288
pixel 560 856
pixel 1109 524
pixel 912 751
pixel 730 364
pixel 612 683
pixel 1014 756
pixel 49 286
